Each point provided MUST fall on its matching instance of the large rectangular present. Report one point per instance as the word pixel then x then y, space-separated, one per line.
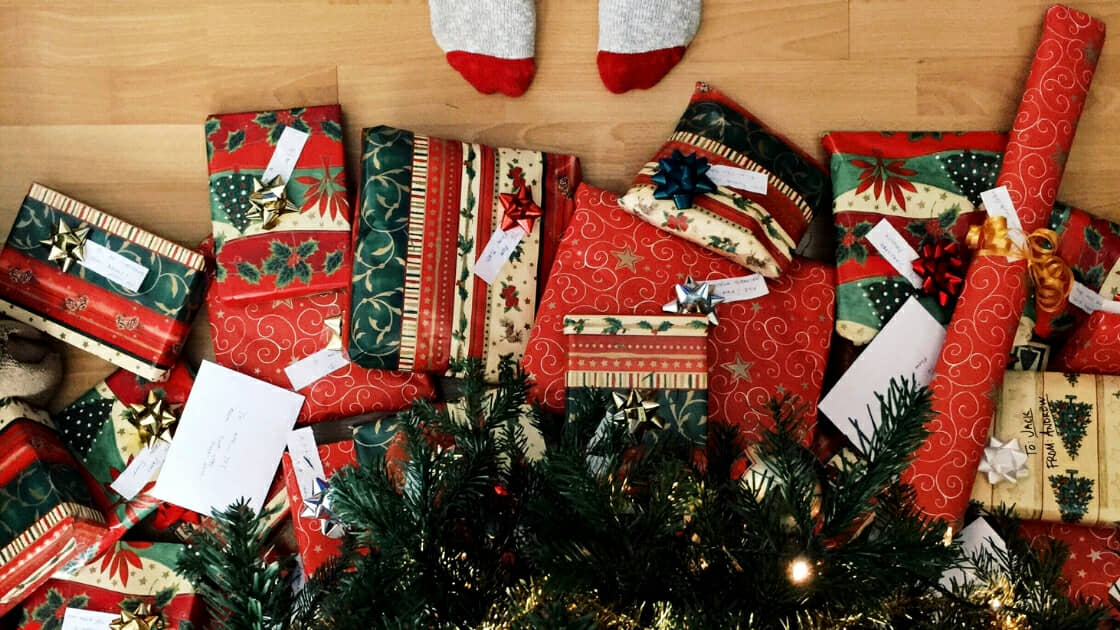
pixel 318 533
pixel 108 427
pixel 50 509
pixel 279 205
pixel 764 347
pixel 130 575
pixel 1053 451
pixel 98 283
pixel 433 213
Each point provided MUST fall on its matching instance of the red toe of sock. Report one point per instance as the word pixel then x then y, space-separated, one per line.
pixel 622 72
pixel 493 74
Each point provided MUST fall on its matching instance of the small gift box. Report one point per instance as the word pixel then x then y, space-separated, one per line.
pixel 50 509
pixel 98 283
pixel 728 183
pixel 452 245
pixel 1094 558
pixel 1052 446
pixel 1092 347
pixel 278 203
pixel 318 532
pixel 296 343
pixel 903 204
pixel 1091 247
pixel 108 428
pixel 133 579
pixel 655 368
pixel 763 346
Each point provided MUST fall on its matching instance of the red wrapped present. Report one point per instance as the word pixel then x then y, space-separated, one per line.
pixel 51 509
pixel 129 575
pixel 609 262
pixel 1094 557
pixel 278 203
pixel 264 339
pixel 317 535
pixel 970 370
pixel 98 283
pixel 1092 348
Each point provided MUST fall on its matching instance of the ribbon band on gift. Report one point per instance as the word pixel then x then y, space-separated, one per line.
pixel 1051 276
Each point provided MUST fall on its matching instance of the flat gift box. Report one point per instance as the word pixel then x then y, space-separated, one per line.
pixel 98 283
pixel 315 546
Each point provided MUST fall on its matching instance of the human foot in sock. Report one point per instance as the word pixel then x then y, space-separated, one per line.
pixel 641 40
pixel 490 42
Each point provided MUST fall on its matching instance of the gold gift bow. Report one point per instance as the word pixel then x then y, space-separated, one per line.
pixel 1052 277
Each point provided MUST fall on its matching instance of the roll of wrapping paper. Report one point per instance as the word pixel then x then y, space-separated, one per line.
pixel 970 370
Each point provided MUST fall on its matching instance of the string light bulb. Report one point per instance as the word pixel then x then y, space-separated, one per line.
pixel 996 604
pixel 800 571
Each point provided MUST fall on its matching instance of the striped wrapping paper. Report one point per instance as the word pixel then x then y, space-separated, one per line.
pixel 139 330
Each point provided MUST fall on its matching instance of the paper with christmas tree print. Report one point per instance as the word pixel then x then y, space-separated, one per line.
pixel 927 186
pixel 1067 425
pixel 308 250
pixel 112 289
pixel 659 361
pixel 129 573
pixel 315 546
pixel 429 209
pixel 103 431
pixel 1094 557
pixel 611 263
pixel 49 509
pixel 721 209
pixel 982 331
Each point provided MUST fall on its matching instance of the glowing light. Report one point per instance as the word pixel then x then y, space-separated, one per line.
pixel 995 603
pixel 800 571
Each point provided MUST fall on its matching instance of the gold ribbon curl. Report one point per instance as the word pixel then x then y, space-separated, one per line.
pixel 1052 277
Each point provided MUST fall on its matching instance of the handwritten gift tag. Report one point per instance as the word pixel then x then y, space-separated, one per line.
pixel 231 436
pixel 140 470
pixel 306 463
pixel 997 202
pixel 81 619
pixel 741 288
pixel 895 250
pixel 314 367
pixel 285 155
pixel 497 253
pixel 113 266
pixel 740 178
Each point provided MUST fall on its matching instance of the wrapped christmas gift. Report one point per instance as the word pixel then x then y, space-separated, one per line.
pixel 98 283
pixel 133 587
pixel 654 368
pixel 297 343
pixel 278 203
pixel 115 430
pixel 1053 448
pixel 1092 347
pixel 452 245
pixel 307 480
pixel 728 183
pixel 980 336
pixel 1094 558
pixel 763 346
pixel 50 510
pixel 903 204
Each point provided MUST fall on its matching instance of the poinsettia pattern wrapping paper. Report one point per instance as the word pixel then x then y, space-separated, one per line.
pixel 609 262
pixel 970 369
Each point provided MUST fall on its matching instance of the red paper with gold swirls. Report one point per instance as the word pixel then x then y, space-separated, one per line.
pixel 970 370
pixel 315 547
pixel 1093 348
pixel 611 263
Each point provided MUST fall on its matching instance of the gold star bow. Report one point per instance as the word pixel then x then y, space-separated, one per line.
pixel 153 419
pixel 139 618
pixel 67 245
pixel 269 201
pixel 637 410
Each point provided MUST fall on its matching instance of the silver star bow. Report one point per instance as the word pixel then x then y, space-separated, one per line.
pixel 1004 461
pixel 695 297
pixel 318 506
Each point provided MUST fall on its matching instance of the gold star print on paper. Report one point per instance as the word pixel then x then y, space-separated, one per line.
pixel 1095 555
pixel 740 369
pixel 627 259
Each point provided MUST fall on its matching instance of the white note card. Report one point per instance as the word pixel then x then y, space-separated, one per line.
pixel 314 367
pixel 977 540
pixel 907 347
pixel 997 202
pixel 895 250
pixel 306 463
pixel 140 470
pixel 740 178
pixel 231 436
pixel 113 266
pixel 497 253
pixel 79 619
pixel 1085 298
pixel 285 155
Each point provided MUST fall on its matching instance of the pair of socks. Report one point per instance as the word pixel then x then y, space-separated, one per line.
pixel 491 42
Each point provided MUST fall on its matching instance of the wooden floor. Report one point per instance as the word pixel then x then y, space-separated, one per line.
pixel 104 100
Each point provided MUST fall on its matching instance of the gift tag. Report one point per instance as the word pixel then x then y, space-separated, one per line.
pixel 740 178
pixel 143 468
pixel 741 288
pixel 497 253
pixel 895 250
pixel 312 368
pixel 306 463
pixel 114 267
pixel 997 202
pixel 79 619
pixel 1110 306
pixel 1085 298
pixel 285 155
